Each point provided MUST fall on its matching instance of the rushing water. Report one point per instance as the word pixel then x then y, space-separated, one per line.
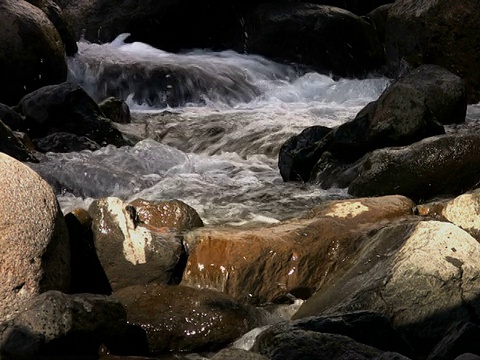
pixel 207 126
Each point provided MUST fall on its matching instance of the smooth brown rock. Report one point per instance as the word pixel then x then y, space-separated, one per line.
pixel 180 318
pixel 264 264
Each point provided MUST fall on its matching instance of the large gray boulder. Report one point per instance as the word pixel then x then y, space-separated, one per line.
pixel 24 68
pixel 34 246
pixel 424 276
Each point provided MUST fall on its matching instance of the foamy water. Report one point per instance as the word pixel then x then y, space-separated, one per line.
pixel 207 130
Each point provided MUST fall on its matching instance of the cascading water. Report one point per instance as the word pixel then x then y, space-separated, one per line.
pixel 207 126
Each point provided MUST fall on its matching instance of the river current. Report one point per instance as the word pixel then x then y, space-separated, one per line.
pixel 210 139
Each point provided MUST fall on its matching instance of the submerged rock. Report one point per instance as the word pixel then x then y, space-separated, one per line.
pixel 292 258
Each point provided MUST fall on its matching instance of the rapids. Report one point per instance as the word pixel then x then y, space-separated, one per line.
pixel 207 128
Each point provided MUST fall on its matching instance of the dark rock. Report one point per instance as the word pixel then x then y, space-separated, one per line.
pixel 116 110
pixel 304 344
pixel 11 145
pixel 444 93
pixel 62 142
pixel 366 327
pixel 67 108
pixel 301 33
pixel 436 32
pixel 237 354
pixel 295 159
pixel 12 119
pixel 180 318
pixel 378 18
pixel 56 324
pixel 443 165
pixel 162 83
pixel 183 24
pixel 460 339
pixel 54 14
pixel 31 51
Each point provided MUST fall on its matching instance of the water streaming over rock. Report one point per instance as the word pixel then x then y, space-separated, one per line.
pixel 207 128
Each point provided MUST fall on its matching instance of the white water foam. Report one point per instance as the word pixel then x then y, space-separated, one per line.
pixel 218 154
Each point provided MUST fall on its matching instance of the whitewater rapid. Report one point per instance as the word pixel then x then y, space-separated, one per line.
pixel 207 132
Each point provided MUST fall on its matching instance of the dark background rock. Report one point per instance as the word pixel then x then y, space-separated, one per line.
pixel 55 15
pixel 436 32
pixel 32 54
pixel 302 34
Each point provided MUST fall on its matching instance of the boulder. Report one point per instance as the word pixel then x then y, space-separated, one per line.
pixel 301 33
pixel 180 318
pixel 292 258
pixel 131 253
pixel 422 275
pixel 67 108
pixel 440 32
pixel 407 111
pixel 56 324
pixel 35 253
pixel 237 354
pixel 443 165
pixel 55 15
pixel 183 24
pixel 463 212
pixel 25 68
pixel 116 110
